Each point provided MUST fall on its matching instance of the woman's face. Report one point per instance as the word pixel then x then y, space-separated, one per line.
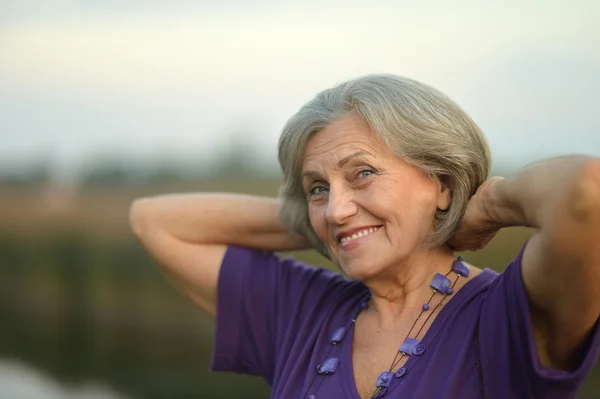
pixel 370 208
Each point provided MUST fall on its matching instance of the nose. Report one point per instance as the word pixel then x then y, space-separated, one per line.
pixel 341 206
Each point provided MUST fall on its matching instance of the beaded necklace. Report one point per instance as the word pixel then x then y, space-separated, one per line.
pixel 441 285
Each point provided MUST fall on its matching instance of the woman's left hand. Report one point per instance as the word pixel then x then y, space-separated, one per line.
pixel 477 227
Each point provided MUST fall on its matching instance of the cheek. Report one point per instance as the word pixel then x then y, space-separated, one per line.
pixel 385 205
pixel 384 197
pixel 317 220
pixel 399 208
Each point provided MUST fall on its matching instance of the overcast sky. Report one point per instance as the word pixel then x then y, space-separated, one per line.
pixel 149 83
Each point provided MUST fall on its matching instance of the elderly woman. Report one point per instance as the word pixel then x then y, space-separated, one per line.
pixel 387 177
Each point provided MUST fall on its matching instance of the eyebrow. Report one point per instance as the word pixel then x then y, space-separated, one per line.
pixel 341 163
pixel 350 157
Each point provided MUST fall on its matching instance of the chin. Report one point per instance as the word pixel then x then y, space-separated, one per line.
pixel 357 270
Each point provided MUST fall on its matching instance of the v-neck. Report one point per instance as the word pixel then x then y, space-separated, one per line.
pixel 347 370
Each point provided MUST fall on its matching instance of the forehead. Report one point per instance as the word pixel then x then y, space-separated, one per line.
pixel 347 135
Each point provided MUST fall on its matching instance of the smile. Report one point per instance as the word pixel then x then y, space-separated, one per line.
pixel 359 234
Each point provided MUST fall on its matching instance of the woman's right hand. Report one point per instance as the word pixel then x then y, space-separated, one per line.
pixel 187 236
pixel 477 227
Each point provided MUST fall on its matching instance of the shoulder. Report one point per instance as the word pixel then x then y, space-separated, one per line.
pixel 488 282
pixel 509 282
pixel 269 306
pixel 270 270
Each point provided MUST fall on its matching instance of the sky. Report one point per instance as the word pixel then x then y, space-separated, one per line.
pixel 147 83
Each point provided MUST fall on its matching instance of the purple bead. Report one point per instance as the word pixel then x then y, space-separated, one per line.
pixel 338 335
pixel 440 283
pixel 328 366
pixel 385 379
pixel 312 397
pixel 401 371
pixel 425 306
pixel 461 268
pixel 449 291
pixel 364 305
pixel 408 345
pixel 419 350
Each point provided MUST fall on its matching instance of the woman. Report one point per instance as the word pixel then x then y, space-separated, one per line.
pixel 387 177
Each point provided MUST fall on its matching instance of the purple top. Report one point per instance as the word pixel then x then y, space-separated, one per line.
pixel 276 318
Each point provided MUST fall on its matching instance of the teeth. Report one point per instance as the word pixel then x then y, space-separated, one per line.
pixel 359 234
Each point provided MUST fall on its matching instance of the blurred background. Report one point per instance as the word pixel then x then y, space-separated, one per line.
pixel 105 101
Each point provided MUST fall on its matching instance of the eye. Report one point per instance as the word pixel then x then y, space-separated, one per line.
pixel 365 173
pixel 315 190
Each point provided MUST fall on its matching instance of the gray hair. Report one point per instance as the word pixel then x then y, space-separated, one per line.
pixel 419 123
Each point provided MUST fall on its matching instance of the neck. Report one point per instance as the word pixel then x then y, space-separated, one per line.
pixel 405 287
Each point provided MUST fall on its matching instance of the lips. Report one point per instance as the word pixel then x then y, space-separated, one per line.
pixel 355 233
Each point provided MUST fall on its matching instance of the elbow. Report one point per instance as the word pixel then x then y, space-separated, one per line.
pixel 140 212
pixel 573 227
pixel 583 202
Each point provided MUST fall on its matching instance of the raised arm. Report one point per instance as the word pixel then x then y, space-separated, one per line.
pixel 187 236
pixel 561 264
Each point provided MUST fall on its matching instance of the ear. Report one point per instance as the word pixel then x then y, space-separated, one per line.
pixel 444 197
